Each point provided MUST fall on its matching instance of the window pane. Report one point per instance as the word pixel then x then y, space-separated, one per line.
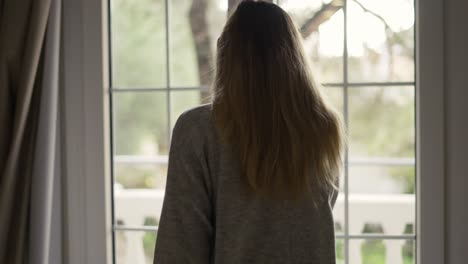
pixel 140 123
pixel 140 172
pixel 138 43
pixel 133 207
pixel 388 214
pixel 339 249
pixel 134 247
pixel 322 29
pixel 139 188
pixel 381 40
pixel 335 97
pixel 381 199
pixel 182 101
pixel 378 178
pixel 381 251
pixel 381 121
pixel 195 28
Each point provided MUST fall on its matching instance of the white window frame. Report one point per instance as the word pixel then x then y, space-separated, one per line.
pixel 87 184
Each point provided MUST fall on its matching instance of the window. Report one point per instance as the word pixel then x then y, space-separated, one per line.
pixel 162 53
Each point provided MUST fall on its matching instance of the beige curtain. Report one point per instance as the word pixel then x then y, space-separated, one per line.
pixel 29 66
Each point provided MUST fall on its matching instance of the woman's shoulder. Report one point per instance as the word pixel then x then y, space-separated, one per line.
pixel 197 113
pixel 194 122
pixel 194 117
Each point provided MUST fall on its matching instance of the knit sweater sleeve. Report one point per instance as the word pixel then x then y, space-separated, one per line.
pixel 186 228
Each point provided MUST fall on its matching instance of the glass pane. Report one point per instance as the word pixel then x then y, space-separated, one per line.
pixel 322 29
pixel 182 101
pixel 140 172
pixel 195 28
pixel 134 247
pixel 378 178
pixel 138 43
pixel 335 97
pixel 382 121
pixel 381 40
pixel 381 199
pixel 339 249
pixel 133 207
pixel 140 123
pixel 381 251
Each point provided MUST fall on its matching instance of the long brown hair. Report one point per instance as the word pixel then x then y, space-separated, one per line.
pixel 268 108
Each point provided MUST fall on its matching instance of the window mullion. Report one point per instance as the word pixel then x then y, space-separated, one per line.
pixel 168 70
pixel 346 121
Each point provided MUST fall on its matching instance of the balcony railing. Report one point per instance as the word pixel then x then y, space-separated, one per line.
pixel 392 212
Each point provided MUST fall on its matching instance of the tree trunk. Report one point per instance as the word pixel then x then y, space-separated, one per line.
pixel 325 13
pixel 201 36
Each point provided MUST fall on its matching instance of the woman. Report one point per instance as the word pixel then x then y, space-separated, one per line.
pixel 252 176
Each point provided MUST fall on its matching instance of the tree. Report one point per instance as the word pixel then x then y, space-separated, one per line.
pixel 200 33
pixel 322 15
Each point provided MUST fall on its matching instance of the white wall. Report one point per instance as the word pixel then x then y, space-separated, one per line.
pixel 456 130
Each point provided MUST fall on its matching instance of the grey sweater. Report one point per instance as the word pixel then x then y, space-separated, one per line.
pixel 207 217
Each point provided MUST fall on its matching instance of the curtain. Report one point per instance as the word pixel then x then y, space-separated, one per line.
pixel 30 215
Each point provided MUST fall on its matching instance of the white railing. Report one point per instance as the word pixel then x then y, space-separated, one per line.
pixel 392 211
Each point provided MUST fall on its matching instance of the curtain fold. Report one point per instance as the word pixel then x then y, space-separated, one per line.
pixel 45 196
pixel 29 131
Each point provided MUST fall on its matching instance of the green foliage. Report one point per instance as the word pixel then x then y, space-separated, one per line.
pixel 339 249
pixel 139 60
pixel 140 123
pixel 142 176
pixel 382 125
pixel 149 239
pixel 373 252
pixel 138 43
pixel 406 176
pixel 382 121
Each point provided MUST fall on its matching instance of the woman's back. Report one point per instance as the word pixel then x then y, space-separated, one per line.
pixel 208 215
pixel 252 176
